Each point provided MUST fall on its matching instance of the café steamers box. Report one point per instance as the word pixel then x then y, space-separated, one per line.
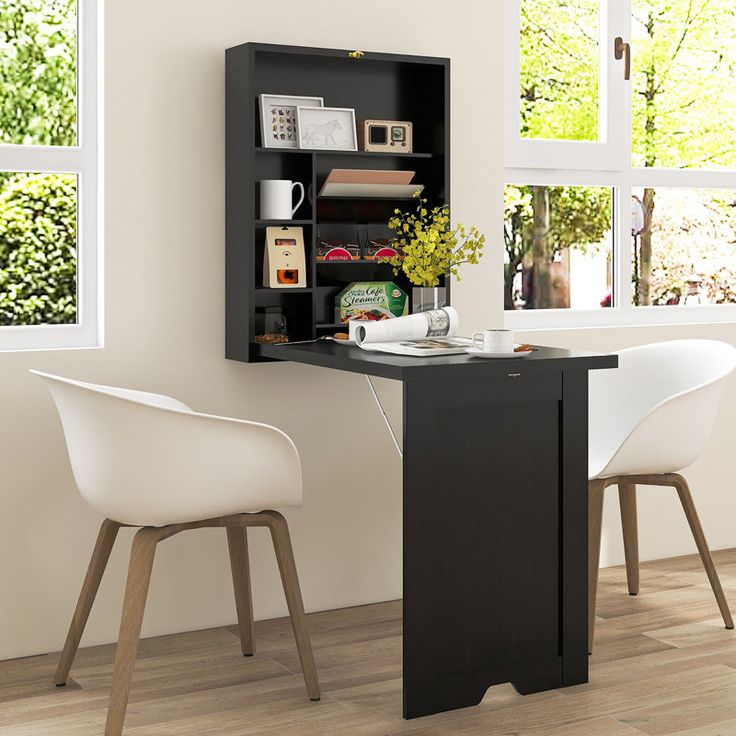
pixel 370 300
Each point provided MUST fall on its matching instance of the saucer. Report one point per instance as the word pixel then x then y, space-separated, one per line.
pixel 479 353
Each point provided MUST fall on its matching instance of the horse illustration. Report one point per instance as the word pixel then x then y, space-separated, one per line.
pixel 325 132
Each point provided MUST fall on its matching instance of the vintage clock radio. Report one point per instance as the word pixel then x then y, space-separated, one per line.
pixel 387 136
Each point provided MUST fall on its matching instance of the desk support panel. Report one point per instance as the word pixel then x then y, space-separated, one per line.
pixel 495 536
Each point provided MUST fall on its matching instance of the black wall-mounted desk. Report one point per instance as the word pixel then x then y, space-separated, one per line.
pixel 495 452
pixel 495 518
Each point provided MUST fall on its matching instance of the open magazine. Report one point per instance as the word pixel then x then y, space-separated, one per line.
pixel 424 334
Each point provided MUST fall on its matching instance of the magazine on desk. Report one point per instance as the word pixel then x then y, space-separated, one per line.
pixel 424 334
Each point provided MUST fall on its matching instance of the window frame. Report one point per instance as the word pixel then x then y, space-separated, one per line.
pixel 85 160
pixel 608 164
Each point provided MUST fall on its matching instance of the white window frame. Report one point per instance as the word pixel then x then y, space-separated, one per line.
pixel 605 163
pixel 85 160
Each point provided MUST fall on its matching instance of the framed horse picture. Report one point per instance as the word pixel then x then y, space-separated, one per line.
pixel 326 128
pixel 278 119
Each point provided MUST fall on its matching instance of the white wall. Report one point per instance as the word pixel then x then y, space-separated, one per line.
pixel 165 332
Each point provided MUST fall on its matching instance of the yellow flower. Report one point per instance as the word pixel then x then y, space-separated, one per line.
pixel 429 249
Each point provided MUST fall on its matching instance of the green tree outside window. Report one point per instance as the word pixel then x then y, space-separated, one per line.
pixel 38 212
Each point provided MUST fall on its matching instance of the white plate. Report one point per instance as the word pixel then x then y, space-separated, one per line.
pixel 342 342
pixel 479 353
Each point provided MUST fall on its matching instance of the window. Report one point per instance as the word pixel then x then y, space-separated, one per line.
pixel 50 227
pixel 620 197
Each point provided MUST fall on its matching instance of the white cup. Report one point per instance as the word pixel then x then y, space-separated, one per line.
pixel 276 199
pixel 494 341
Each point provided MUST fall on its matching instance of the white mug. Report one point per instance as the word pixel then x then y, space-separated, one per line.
pixel 276 199
pixel 494 341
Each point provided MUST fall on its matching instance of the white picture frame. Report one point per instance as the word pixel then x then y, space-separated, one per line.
pixel 278 118
pixel 326 128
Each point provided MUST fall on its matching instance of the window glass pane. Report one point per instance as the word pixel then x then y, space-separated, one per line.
pixel 684 83
pixel 558 247
pixel 684 247
pixel 38 72
pixel 38 249
pixel 559 69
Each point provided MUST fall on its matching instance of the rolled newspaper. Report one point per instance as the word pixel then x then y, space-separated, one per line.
pixel 435 323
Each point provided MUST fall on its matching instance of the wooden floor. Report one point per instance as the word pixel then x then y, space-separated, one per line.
pixel 663 665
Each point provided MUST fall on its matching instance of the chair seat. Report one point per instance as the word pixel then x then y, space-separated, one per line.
pixel 164 514
pixel 145 459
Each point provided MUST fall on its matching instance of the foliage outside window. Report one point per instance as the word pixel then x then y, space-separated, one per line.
pixel 38 210
pixel 559 71
pixel 38 72
pixel 38 223
pixel 673 184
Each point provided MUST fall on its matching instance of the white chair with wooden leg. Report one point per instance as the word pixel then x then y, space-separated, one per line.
pixel 149 461
pixel 648 419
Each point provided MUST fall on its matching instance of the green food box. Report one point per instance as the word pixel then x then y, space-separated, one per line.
pixel 370 300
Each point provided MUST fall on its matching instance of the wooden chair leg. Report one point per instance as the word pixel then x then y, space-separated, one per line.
pixel 97 564
pixel 627 502
pixel 237 540
pixel 287 567
pixel 596 489
pixel 136 592
pixel 688 506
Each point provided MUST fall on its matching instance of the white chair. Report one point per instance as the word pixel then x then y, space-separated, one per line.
pixel 648 419
pixel 147 460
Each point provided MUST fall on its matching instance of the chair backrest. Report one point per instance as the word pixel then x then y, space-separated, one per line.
pixel 149 460
pixel 655 413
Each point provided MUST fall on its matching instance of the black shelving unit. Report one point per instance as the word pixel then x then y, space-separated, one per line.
pixel 378 86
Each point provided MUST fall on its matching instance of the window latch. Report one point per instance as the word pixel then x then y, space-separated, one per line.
pixel 622 50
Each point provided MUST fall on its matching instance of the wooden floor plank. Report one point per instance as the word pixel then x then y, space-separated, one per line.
pixel 722 728
pixel 663 666
pixel 693 634
pixel 698 709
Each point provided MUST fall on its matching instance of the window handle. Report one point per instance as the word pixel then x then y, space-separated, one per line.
pixel 622 50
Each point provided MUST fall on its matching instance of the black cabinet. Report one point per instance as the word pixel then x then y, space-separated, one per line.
pixel 377 86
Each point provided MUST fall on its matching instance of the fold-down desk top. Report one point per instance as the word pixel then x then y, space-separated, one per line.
pixel 403 368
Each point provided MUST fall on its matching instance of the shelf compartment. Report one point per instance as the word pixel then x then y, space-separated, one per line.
pixel 281 167
pixel 359 211
pixel 345 273
pixel 296 306
pixel 293 169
